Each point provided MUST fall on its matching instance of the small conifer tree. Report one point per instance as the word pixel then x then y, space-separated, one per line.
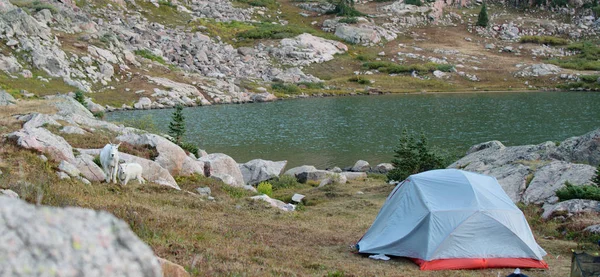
pixel 177 125
pixel 482 19
pixel 80 98
pixel 412 156
pixel 596 179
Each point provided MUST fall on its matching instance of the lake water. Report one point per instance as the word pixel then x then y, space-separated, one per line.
pixel 338 131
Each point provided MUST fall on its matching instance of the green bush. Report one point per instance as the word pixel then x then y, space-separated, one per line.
pixel 349 20
pixel 344 8
pixel 559 3
pixel 166 3
pixel 265 188
pixel 445 67
pixel 548 40
pixel 80 98
pixel 284 181
pixel 570 191
pixel 360 79
pixel 97 161
pixel 99 115
pixel 285 88
pixel 235 192
pixel 589 78
pixel 259 3
pixel 413 156
pixel 482 18
pixel 189 147
pixel 145 53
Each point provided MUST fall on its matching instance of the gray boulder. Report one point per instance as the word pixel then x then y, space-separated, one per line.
pixel 383 168
pixel 45 241
pixel 494 144
pixel 9 64
pixel 357 35
pixel 333 179
pixel 6 99
pixel 204 191
pixel 36 120
pixel 361 166
pixel 570 207
pixel 537 70
pixel 257 170
pixel 72 130
pixel 315 175
pixel 354 175
pixel 219 164
pixel 594 229
pixel 299 169
pixel 275 203
pixel 551 177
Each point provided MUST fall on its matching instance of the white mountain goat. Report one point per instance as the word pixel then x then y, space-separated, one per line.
pixel 109 158
pixel 129 171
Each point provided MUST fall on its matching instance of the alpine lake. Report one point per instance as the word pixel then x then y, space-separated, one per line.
pixel 338 131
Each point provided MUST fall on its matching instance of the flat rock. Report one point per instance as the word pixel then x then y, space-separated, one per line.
pixel 9 193
pixel 551 177
pixel 69 242
pixel 221 164
pixel 570 207
pixel 383 168
pixel 89 169
pixel 68 168
pixel 299 169
pixel 275 203
pixel 72 130
pixel 361 166
pixel 43 141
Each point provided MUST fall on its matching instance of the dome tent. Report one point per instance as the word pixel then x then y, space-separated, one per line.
pixel 453 219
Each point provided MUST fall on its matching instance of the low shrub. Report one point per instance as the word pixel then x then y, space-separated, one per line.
pixel 587 57
pixel 285 88
pixel 413 2
pixel 265 188
pixel 284 181
pixel 268 30
pixel 80 98
pixel 345 8
pixel 549 40
pixel 99 115
pixel 589 78
pixel 312 85
pixel 445 67
pixel 348 20
pixel 569 191
pixel 189 147
pixel 360 79
pixel 259 3
pixel 97 161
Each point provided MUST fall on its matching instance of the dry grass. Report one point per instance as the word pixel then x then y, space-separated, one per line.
pixel 8 121
pixel 234 236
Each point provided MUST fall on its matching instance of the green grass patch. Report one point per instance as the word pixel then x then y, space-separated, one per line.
pixel 34 5
pixel 570 191
pixel 166 13
pixel 145 53
pixel 587 57
pixel 548 40
pixel 393 68
pixel 227 31
pixel 267 30
pixel 270 4
pixel 285 88
pixel 34 85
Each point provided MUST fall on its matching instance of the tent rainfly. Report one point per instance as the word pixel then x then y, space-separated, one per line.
pixel 453 219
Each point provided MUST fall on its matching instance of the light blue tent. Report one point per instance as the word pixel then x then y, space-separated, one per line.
pixel 453 219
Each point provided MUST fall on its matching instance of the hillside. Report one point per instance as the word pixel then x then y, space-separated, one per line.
pixel 157 54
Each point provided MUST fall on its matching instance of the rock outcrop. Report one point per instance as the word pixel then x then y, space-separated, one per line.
pixel 224 168
pixel 532 173
pixel 305 49
pixel 45 241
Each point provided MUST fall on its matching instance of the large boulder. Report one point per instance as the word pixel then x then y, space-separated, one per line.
pixel 551 177
pixel 219 164
pixel 357 35
pixel 170 155
pixel 152 171
pixel 257 170
pixel 537 70
pixel 42 140
pixel 9 64
pixel 314 176
pixel 47 241
pixel 275 203
pixel 305 49
pixel 68 168
pixel 354 175
pixel 383 168
pixel 361 166
pixel 6 99
pixel 570 207
pixel 35 120
pixel 70 108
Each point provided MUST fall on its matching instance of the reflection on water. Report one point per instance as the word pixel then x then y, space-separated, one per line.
pixel 337 131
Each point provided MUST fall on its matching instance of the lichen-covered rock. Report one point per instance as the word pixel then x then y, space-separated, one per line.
pixel 46 241
pixel 581 149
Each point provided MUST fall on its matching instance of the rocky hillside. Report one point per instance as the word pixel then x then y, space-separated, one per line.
pixel 157 54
